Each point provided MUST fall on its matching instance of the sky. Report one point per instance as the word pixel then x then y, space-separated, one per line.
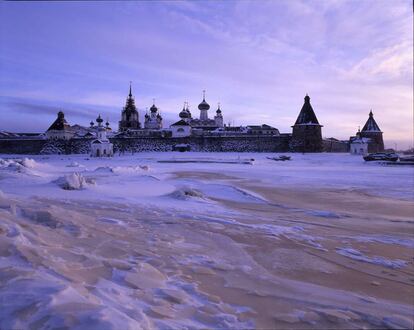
pixel 257 58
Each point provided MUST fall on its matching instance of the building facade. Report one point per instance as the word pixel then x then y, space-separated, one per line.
pixel 180 129
pixel 101 147
pixel 203 122
pixel 359 145
pixel 60 129
pixel 153 119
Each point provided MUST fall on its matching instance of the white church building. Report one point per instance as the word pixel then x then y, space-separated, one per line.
pixel 359 144
pixel 101 147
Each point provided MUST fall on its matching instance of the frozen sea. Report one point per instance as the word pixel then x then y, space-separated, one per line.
pixel 148 241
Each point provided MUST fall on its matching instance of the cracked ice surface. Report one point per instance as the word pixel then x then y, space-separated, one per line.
pixel 322 241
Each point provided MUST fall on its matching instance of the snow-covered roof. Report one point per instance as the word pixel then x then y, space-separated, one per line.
pixel 60 123
pixel 307 115
pixel 7 134
pixel 360 140
pixel 371 125
pixel 262 127
pixel 181 123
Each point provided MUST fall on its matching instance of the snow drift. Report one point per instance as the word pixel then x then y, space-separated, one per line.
pixel 74 181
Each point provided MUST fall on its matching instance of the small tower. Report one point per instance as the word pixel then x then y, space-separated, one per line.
pixel 307 132
pixel 372 131
pixel 129 115
pixel 218 118
pixel 101 147
pixel 153 120
pixel 204 107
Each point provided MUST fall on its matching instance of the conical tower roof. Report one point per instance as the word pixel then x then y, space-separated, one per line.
pixel 307 115
pixel 371 125
pixel 130 102
pixel 60 123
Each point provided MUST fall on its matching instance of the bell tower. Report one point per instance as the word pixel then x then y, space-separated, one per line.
pixel 129 115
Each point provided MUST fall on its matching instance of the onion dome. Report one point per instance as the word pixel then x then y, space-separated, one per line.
pixel 159 116
pixel 185 113
pixel 107 123
pixel 99 119
pixel 153 108
pixel 204 105
pixel 218 111
pixel 91 123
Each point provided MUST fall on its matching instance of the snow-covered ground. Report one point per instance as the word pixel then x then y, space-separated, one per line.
pixel 321 241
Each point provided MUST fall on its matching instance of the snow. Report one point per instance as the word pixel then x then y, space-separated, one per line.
pixel 325 214
pixel 130 242
pixel 357 255
pixel 74 181
pixel 342 171
pixel 385 239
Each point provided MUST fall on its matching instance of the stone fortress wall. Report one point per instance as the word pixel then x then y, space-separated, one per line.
pixel 128 145
pixel 22 146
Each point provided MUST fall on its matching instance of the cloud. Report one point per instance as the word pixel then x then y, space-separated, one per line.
pixel 389 63
pixel 258 58
pixel 29 108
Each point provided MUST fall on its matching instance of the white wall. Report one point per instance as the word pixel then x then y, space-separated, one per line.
pixel 359 148
pixel 105 149
pixel 180 131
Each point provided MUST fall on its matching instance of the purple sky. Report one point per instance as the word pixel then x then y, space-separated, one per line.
pixel 258 58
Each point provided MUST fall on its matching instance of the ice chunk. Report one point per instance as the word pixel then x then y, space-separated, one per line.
pixel 28 163
pixel 74 181
pixel 186 193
